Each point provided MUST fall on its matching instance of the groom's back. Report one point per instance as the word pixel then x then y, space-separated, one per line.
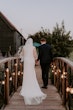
pixel 45 53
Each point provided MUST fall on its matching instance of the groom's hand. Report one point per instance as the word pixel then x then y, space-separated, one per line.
pixel 36 62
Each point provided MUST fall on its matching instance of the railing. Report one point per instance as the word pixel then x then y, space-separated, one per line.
pixel 11 72
pixel 62 74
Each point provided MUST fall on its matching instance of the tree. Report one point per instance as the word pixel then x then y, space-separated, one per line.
pixel 59 39
pixel 42 33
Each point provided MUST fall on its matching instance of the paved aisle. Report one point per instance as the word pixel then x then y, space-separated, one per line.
pixel 52 102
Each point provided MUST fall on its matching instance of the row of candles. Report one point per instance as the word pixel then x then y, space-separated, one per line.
pixel 63 75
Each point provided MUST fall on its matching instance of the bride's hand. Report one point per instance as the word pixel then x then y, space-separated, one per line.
pixel 36 62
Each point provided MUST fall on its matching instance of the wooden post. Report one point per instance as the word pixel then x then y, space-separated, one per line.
pixel 6 91
pixel 54 75
pixel 21 73
pixel 64 91
pixel 64 84
pixel 58 79
pixel 16 72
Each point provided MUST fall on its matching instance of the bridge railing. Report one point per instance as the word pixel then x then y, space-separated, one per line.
pixel 11 71
pixel 62 72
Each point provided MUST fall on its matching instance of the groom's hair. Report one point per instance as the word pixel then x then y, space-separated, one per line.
pixel 43 39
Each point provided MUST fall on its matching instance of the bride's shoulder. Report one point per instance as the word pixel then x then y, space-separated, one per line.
pixel 33 46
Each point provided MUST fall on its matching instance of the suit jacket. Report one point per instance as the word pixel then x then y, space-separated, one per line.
pixel 45 54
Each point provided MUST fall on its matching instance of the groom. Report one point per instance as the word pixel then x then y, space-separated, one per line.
pixel 45 57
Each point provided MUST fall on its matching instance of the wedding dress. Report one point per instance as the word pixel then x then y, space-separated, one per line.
pixel 30 90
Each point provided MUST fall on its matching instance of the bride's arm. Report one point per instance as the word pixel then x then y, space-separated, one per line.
pixel 35 56
pixel 35 53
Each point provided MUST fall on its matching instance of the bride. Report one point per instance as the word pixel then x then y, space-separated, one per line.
pixel 30 90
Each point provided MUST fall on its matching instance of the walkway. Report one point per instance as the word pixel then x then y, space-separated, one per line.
pixel 52 102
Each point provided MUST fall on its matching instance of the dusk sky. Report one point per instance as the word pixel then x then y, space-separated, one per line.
pixel 28 16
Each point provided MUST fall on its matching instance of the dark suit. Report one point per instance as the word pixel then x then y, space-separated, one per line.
pixel 45 57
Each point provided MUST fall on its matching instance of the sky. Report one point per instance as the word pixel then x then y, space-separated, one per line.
pixel 28 16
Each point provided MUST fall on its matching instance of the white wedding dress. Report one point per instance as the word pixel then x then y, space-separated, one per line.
pixel 30 90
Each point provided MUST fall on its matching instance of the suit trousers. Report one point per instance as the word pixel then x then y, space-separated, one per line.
pixel 45 70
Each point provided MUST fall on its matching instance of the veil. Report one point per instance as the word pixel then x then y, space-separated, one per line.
pixel 29 42
pixel 29 50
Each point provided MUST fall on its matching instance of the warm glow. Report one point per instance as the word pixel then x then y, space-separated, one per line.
pixel 59 70
pixel 62 76
pixel 52 71
pixel 64 73
pixel 10 78
pixel 18 72
pixel 3 82
pixel 15 64
pixel 7 70
pixel 71 90
pixel 55 73
pixel 54 67
pixel 67 89
pixel 13 73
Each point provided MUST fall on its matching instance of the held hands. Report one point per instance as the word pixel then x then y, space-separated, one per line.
pixel 36 62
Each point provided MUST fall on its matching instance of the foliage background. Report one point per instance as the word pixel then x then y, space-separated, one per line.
pixel 59 39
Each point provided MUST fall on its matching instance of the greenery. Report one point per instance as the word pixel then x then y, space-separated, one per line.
pixel 60 40
pixel 71 56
